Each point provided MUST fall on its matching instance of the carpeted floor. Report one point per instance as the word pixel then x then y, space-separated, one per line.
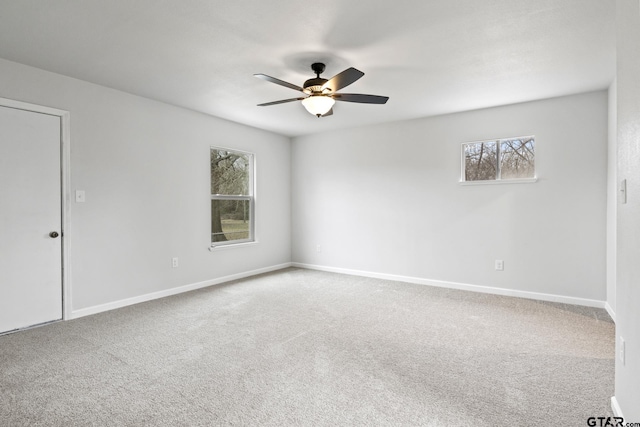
pixel 309 348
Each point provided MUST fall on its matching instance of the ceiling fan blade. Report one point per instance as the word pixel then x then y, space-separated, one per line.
pixel 280 102
pixel 328 113
pixel 342 79
pixel 363 99
pixel 278 82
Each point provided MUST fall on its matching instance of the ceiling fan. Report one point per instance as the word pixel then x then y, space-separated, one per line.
pixel 321 93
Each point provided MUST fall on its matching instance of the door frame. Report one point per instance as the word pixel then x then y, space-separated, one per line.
pixel 65 198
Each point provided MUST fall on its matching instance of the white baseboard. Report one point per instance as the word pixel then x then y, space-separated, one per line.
pixel 460 286
pixel 612 313
pixel 407 279
pixel 615 407
pixel 173 291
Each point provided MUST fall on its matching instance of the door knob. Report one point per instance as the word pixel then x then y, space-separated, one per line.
pixel 53 234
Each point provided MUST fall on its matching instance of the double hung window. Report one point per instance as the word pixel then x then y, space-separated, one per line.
pixel 232 199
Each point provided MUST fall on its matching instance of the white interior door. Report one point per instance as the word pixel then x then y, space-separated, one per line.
pixel 30 209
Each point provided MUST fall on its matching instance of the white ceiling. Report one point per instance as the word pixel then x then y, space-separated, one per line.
pixel 430 57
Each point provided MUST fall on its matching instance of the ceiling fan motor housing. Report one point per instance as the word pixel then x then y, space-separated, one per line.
pixel 314 85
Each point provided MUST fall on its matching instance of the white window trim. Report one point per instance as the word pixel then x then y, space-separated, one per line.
pixel 252 239
pixel 501 181
pixel 243 244
pixel 498 180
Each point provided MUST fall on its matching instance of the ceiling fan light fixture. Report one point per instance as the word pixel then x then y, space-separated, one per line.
pixel 318 105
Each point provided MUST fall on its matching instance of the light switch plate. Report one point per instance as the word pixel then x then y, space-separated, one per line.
pixel 623 191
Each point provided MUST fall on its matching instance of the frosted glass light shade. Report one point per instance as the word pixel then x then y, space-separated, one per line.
pixel 318 105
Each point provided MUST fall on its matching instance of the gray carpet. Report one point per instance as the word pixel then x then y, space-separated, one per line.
pixel 309 348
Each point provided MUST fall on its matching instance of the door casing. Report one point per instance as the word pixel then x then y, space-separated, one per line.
pixel 65 158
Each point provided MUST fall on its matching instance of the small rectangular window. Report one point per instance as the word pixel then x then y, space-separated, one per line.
pixel 232 200
pixel 499 160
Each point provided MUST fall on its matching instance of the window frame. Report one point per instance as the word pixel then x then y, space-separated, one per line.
pixel 498 179
pixel 250 197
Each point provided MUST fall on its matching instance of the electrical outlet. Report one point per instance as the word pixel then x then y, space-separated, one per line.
pixel 319 249
pixel 499 265
pixel 622 350
pixel 174 262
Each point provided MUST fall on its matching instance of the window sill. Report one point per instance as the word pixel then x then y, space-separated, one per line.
pixel 501 181
pixel 216 248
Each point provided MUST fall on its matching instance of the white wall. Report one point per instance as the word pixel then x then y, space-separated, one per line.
pixel 628 215
pixel 387 199
pixel 145 168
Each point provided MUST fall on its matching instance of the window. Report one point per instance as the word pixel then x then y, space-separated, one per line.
pixel 499 160
pixel 232 201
